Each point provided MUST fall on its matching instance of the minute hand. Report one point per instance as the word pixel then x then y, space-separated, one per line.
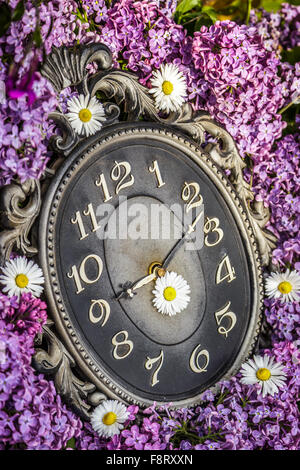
pixel 180 242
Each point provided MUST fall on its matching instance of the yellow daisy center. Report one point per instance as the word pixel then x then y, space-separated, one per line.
pixel 169 293
pixel 109 418
pixel 263 374
pixel 85 115
pixel 21 280
pixel 167 87
pixel 285 287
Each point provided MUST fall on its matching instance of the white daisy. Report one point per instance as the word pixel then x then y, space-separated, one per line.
pixel 168 88
pixel 264 371
pixel 285 286
pixel 22 275
pixel 85 115
pixel 107 418
pixel 171 294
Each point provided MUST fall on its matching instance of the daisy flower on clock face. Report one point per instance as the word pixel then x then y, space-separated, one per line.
pixel 264 371
pixel 284 286
pixel 171 294
pixel 168 88
pixel 107 418
pixel 85 115
pixel 22 275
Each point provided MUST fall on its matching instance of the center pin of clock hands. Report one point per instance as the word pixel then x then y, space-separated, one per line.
pixel 129 288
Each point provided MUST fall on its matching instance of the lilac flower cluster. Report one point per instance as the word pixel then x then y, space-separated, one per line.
pixel 31 413
pixel 279 30
pixel 276 181
pixel 236 74
pixel 27 314
pixel 237 82
pixel 235 418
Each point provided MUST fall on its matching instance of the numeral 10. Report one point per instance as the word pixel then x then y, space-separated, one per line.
pixel 80 276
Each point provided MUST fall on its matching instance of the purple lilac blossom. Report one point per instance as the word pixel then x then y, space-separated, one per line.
pixel 236 74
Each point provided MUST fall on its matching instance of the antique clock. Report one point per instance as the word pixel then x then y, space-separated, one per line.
pixel 137 313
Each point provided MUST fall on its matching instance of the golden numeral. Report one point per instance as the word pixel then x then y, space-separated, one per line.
pixel 81 275
pixel 223 313
pixel 194 360
pixel 116 175
pixel 225 271
pixel 212 226
pixel 90 211
pixel 104 311
pixel 101 182
pixel 155 169
pixel 78 220
pixel 124 342
pixel 189 193
pixel 149 364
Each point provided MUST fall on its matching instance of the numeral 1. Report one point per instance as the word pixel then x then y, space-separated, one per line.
pixel 90 211
pixel 155 169
pixel 78 220
pixel 149 364
pixel 101 182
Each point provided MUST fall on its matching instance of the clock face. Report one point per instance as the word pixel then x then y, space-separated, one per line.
pixel 117 214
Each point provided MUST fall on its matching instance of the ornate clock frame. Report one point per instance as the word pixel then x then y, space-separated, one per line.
pixel 59 352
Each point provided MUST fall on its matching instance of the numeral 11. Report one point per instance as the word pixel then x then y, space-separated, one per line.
pixel 78 220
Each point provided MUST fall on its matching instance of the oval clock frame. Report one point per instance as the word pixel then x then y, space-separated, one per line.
pixel 30 211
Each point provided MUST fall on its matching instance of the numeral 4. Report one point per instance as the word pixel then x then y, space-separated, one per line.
pixel 225 271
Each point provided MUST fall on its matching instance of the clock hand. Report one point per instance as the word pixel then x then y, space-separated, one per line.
pixel 180 242
pixel 130 287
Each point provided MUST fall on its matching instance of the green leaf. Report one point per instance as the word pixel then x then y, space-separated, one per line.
pixel 292 56
pixel 271 5
pixel 203 20
pixel 5 18
pixel 37 37
pixel 211 12
pixel 187 5
pixel 18 11
pixel 71 443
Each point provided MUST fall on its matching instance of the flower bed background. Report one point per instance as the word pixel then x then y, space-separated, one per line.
pixel 246 75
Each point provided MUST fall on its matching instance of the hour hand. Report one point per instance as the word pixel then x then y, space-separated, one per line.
pixel 129 287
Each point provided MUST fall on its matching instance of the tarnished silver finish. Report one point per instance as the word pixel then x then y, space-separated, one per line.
pixel 58 363
pixel 20 205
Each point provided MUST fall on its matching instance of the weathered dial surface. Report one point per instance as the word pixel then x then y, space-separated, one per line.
pixel 99 232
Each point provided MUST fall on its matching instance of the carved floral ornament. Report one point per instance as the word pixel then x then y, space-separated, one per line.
pixel 20 204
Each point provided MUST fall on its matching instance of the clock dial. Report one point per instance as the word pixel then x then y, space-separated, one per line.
pixel 116 211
